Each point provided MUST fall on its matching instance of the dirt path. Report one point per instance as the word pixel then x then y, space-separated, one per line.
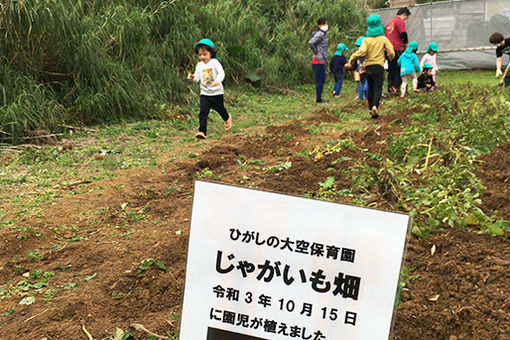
pixel 98 240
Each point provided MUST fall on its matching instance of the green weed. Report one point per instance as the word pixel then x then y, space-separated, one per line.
pixel 35 254
pixel 279 167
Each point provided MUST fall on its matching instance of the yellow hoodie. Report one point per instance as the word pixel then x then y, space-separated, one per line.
pixel 372 48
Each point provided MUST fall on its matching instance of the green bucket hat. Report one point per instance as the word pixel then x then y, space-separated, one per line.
pixel 340 48
pixel 374 26
pixel 359 41
pixel 206 42
pixel 432 47
pixel 412 45
pixel 427 66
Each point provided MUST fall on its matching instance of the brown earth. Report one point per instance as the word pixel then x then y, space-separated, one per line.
pixel 494 171
pixel 459 291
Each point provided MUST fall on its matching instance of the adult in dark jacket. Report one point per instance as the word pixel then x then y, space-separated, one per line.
pixel 396 33
pixel 319 45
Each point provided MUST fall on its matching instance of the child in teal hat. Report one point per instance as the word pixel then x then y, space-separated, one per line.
pixel 409 65
pixel 375 47
pixel 374 26
pixel 209 73
pixel 336 66
pixel 425 80
pixel 430 58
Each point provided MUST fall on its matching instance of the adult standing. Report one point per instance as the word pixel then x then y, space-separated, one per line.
pixel 319 45
pixel 396 33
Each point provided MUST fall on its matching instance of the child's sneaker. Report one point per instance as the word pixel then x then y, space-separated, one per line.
pixel 228 123
pixel 200 135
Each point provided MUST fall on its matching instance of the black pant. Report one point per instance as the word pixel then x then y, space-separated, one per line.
pixel 206 104
pixel 394 79
pixel 375 79
pixel 319 72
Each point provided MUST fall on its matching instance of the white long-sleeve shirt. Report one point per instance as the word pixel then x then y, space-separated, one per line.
pixel 429 59
pixel 206 74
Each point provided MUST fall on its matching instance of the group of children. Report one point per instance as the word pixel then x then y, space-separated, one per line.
pixel 367 64
pixel 409 68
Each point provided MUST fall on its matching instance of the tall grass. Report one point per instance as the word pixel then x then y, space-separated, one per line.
pixel 102 60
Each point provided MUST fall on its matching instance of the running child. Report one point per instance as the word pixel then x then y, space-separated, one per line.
pixel 209 73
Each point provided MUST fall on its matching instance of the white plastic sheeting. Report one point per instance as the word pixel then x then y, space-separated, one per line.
pixel 460 28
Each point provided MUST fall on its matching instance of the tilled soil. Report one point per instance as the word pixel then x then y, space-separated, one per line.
pixel 457 282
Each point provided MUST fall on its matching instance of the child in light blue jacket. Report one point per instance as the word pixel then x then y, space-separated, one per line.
pixel 409 66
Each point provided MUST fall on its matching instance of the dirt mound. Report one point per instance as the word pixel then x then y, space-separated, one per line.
pixel 494 173
pixel 460 291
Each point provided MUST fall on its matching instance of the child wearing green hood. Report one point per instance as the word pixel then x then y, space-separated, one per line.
pixel 373 48
pixel 409 66
pixel 336 66
pixel 430 58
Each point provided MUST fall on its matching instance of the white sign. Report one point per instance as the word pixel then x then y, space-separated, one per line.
pixel 270 266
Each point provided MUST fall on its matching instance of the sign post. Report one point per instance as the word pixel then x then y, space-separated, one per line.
pixel 270 266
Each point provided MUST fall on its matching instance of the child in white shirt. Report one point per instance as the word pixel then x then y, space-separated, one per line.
pixel 209 73
pixel 430 58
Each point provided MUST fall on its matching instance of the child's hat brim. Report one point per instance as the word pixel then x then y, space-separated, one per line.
pixel 206 42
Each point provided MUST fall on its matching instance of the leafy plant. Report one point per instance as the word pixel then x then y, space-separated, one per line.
pixel 27 300
pixel 405 279
pixel 327 189
pixel 35 254
pixel 70 286
pixel 207 173
pixel 91 277
pixel 9 311
pixel 145 265
pixel 279 167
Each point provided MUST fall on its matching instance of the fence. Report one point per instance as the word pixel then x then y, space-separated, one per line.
pixel 460 28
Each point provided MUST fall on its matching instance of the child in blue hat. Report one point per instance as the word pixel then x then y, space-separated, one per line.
pixel 336 66
pixel 409 65
pixel 209 73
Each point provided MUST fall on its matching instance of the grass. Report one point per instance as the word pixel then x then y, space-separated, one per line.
pixel 101 61
pixel 37 176
pixel 479 77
